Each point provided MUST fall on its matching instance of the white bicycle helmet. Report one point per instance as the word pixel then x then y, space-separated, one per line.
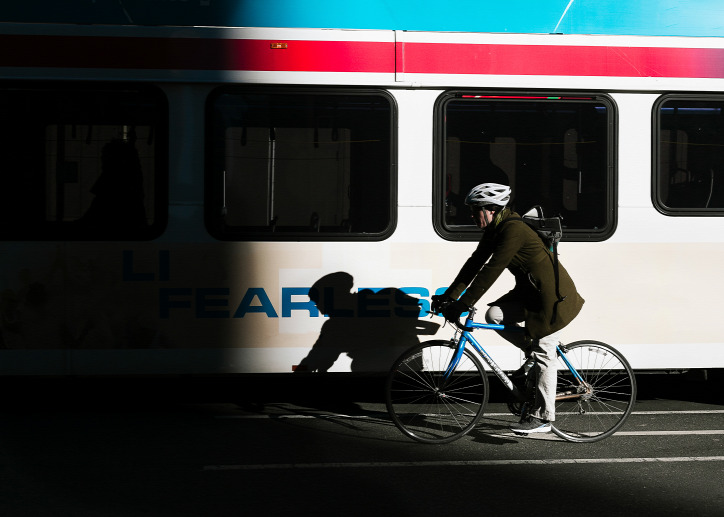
pixel 488 194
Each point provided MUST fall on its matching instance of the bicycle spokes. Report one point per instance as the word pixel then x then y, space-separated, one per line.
pixel 430 402
pixel 593 402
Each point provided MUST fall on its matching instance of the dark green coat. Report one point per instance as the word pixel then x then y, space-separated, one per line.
pixel 513 245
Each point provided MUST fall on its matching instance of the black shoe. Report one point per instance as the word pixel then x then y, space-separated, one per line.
pixel 531 425
pixel 521 382
pixel 518 378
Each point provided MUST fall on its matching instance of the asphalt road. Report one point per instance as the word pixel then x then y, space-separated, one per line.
pixel 95 451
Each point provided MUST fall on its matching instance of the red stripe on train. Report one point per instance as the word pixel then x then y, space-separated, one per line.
pixel 558 60
pixel 195 54
pixel 357 56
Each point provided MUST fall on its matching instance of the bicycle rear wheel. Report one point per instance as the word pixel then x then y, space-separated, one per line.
pixel 596 409
pixel 429 408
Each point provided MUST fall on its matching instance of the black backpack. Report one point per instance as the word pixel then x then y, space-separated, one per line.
pixel 550 231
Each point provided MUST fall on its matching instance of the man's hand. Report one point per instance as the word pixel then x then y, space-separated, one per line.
pixel 453 311
pixel 439 302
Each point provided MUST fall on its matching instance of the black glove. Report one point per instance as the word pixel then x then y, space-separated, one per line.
pixel 439 302
pixel 453 311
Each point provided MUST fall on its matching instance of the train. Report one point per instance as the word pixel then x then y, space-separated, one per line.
pixel 185 198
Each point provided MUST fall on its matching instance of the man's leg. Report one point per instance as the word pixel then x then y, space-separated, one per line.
pixel 545 370
pixel 509 314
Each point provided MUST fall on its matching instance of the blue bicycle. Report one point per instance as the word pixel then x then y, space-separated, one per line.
pixel 436 392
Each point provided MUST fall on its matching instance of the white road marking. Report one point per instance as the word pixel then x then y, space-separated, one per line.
pixel 339 415
pixel 460 463
pixel 365 417
pixel 547 436
pixel 472 463
pixel 685 412
pixel 668 433
pixel 553 437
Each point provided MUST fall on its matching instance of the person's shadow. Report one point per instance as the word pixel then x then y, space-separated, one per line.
pixel 118 206
pixel 372 328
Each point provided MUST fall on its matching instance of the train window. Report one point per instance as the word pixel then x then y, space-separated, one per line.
pixel 300 165
pixel 555 151
pixel 689 155
pixel 82 162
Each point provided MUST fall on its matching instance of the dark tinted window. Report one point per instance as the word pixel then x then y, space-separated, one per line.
pixel 82 162
pixel 300 165
pixel 689 155
pixel 553 151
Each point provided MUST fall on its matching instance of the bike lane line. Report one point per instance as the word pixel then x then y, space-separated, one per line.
pixel 460 463
pixel 362 417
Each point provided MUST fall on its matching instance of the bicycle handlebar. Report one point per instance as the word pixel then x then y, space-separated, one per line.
pixel 462 326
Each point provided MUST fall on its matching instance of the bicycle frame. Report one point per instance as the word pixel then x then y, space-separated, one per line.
pixel 466 336
pixel 437 391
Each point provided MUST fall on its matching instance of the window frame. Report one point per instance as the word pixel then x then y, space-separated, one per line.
pixel 656 172
pixel 214 187
pixel 569 234
pixel 54 232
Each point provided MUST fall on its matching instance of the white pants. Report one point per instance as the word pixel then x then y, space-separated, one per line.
pixel 543 352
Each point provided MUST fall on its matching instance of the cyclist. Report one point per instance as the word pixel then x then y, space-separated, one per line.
pixel 536 299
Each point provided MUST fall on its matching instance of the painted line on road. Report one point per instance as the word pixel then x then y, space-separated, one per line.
pixel 682 432
pixel 362 417
pixel 667 433
pixel 684 412
pixel 678 432
pixel 460 463
pixel 291 416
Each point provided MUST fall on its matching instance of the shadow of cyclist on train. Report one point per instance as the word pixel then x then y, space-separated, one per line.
pixel 370 327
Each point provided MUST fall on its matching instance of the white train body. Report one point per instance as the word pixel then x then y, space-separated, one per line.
pixel 194 294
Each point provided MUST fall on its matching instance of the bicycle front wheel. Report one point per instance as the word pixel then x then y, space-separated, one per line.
pixel 593 410
pixel 428 407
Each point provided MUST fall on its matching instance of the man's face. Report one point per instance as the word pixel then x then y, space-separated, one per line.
pixel 482 216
